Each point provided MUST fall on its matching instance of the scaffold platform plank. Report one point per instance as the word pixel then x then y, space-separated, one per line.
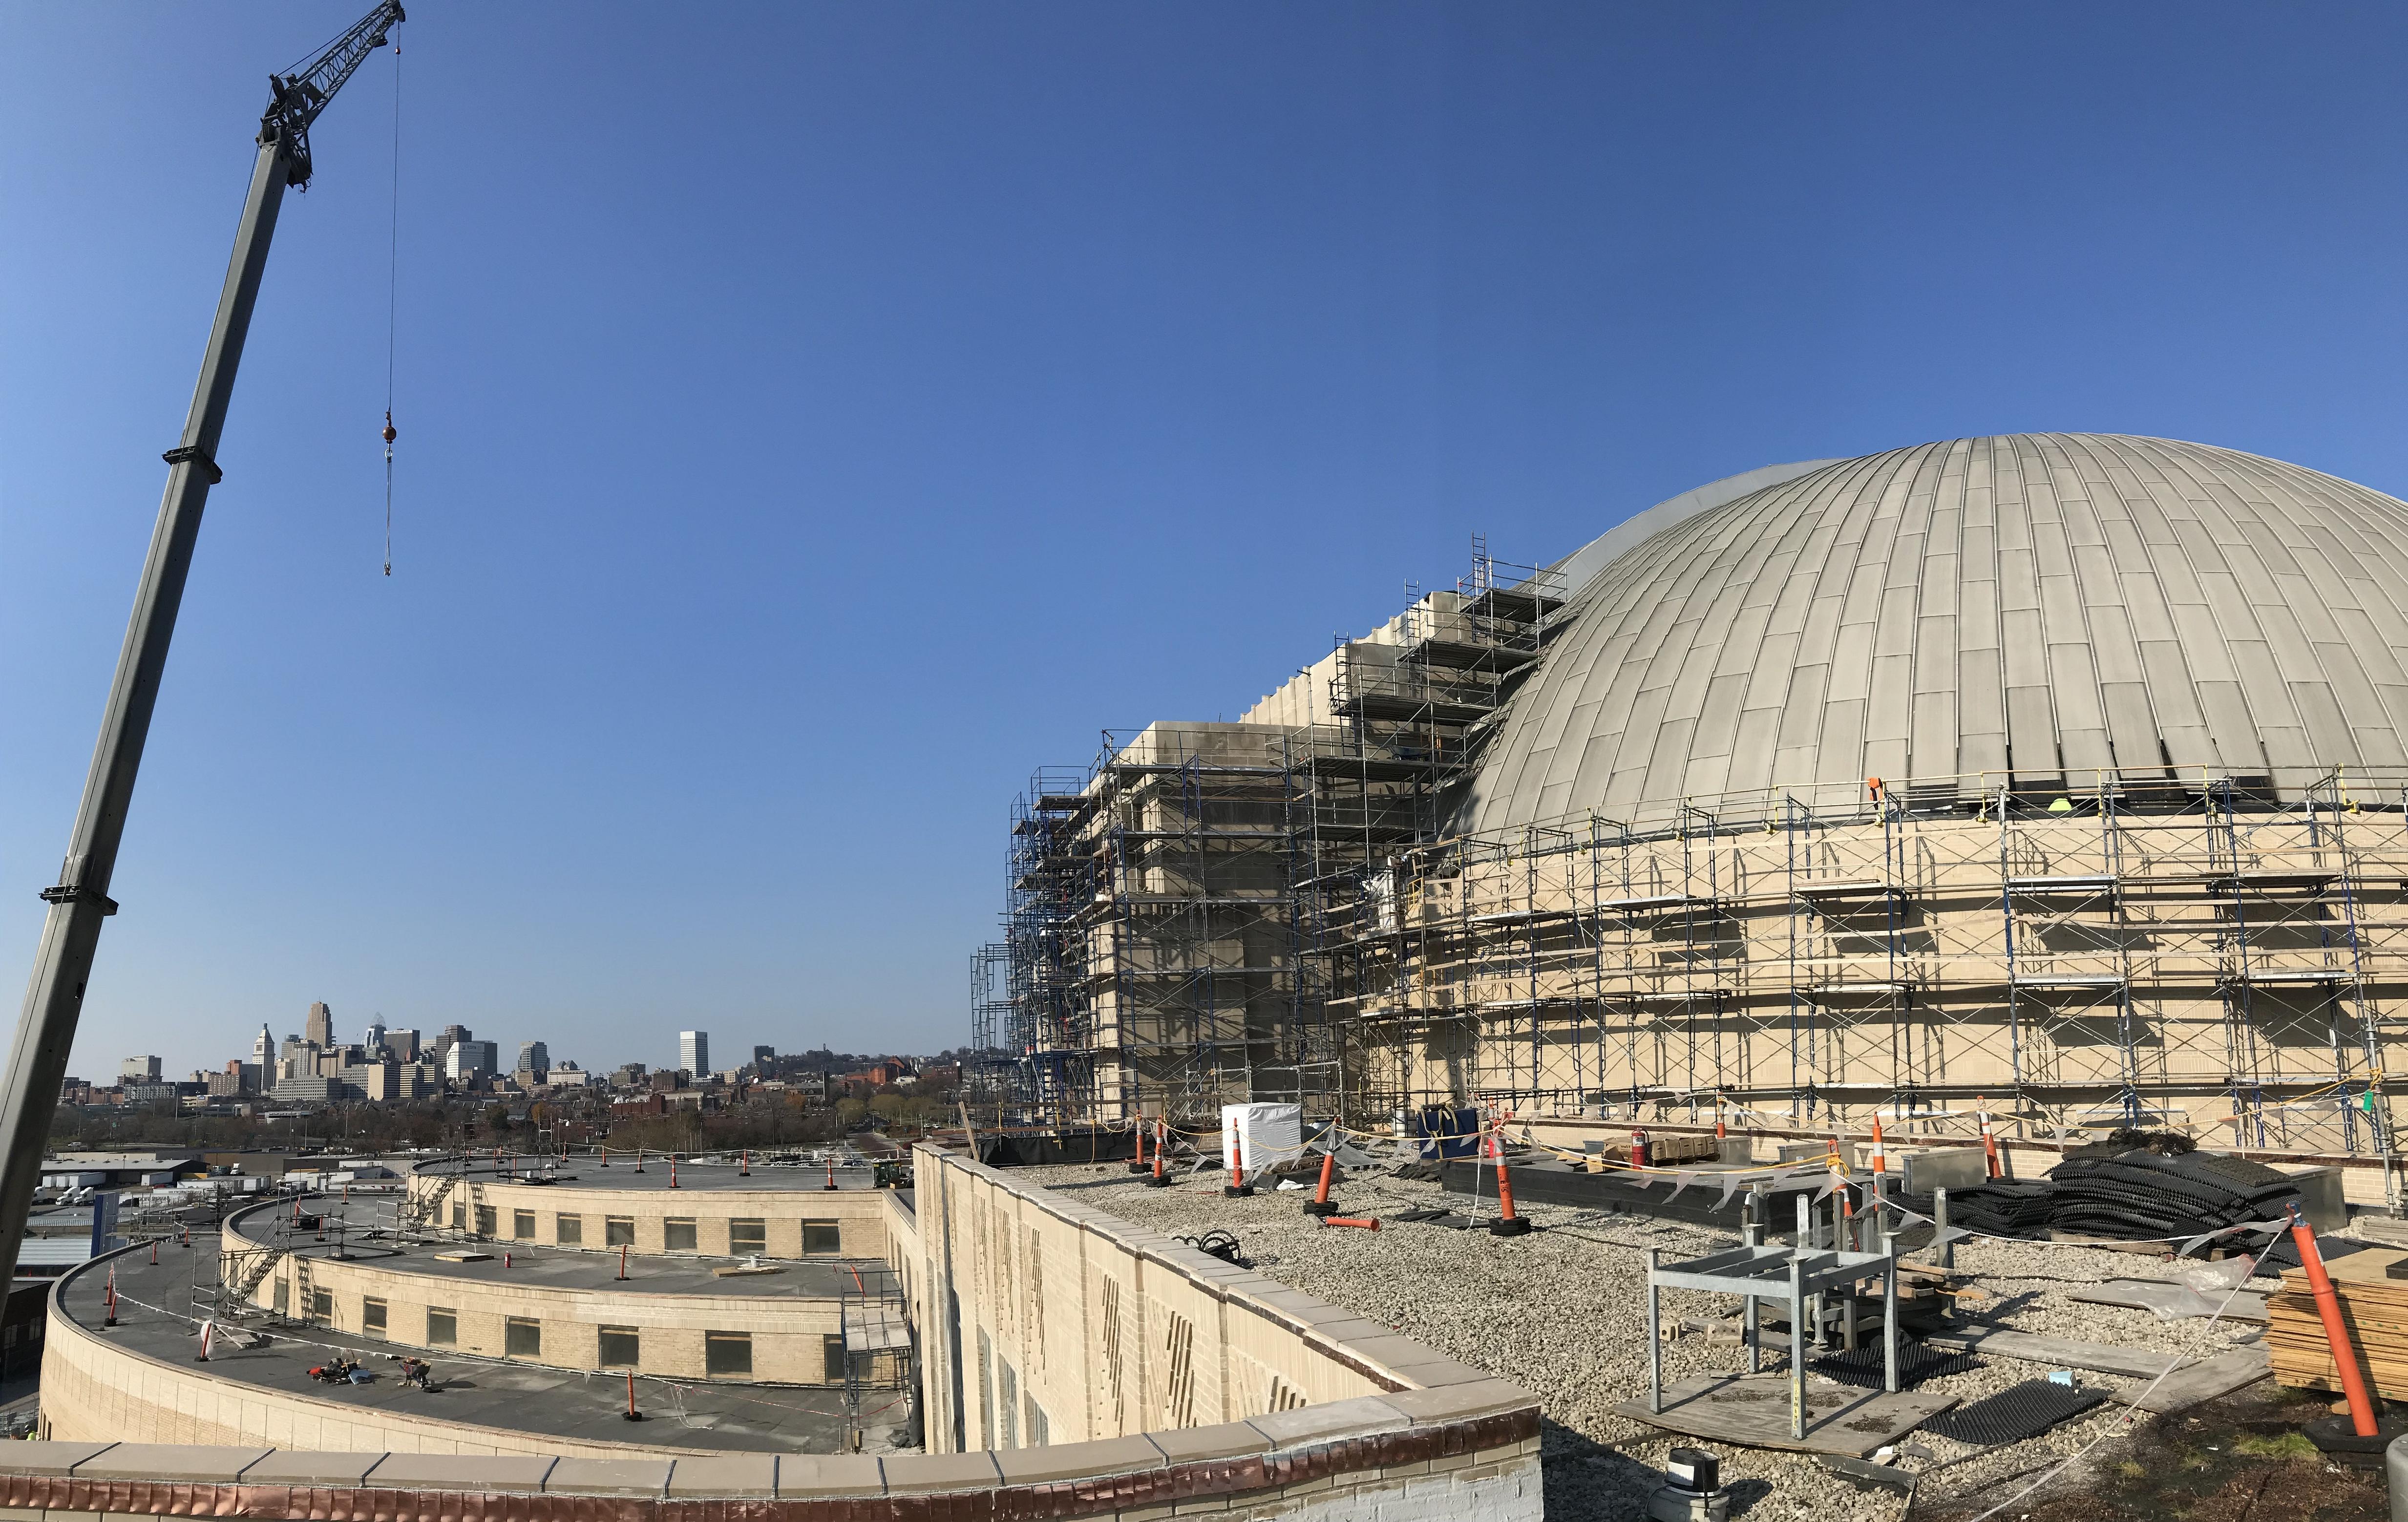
pixel 1753 1411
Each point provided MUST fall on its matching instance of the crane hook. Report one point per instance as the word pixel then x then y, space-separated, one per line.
pixel 389 435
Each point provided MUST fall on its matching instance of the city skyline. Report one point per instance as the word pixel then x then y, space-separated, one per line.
pixel 174 1067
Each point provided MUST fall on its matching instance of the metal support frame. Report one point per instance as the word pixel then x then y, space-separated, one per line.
pixel 1757 1271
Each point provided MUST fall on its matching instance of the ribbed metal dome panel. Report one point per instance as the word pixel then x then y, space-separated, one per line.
pixel 2049 603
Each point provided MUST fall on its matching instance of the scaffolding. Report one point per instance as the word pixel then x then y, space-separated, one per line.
pixel 1283 909
pixel 1174 908
pixel 2125 949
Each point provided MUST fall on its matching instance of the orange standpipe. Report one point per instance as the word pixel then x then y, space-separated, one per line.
pixel 2344 1352
pixel 1368 1223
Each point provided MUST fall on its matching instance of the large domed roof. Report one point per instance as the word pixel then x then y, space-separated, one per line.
pixel 2041 603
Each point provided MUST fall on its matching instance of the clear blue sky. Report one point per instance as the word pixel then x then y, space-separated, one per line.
pixel 815 417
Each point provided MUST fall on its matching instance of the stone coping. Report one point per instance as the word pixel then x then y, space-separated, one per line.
pixel 1368 1433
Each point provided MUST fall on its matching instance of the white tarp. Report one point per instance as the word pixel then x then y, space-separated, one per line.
pixel 1260 1136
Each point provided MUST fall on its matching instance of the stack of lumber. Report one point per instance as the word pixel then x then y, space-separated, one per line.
pixel 2374 1308
pixel 1667 1151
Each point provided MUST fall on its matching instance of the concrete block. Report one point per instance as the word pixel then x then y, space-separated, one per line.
pixel 1354 1329
pixel 1946 1168
pixel 1195 1444
pixel 1389 1350
pixel 50 1458
pixel 910 1474
pixel 1362 1416
pixel 297 1466
pixel 1461 1402
pixel 170 1462
pixel 723 1474
pixel 609 1477
pixel 1440 1371
pixel 1076 1461
pixel 461 1471
pixel 803 1475
pixel 2320 1197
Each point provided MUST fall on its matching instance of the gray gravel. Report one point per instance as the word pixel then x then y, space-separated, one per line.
pixel 1563 1313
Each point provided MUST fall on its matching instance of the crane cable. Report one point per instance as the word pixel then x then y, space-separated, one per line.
pixel 392 307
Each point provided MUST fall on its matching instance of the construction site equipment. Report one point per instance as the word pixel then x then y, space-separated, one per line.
pixel 1758 1272
pixel 79 900
pixel 1506 1224
pixel 1319 1204
pixel 1366 1223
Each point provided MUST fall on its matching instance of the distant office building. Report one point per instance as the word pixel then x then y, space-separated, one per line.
pixel 138 1070
pixel 465 1061
pixel 403 1044
pixel 533 1057
pixel 451 1036
pixel 693 1051
pixel 308 1089
pixel 375 1034
pixel 262 1048
pixel 319 1026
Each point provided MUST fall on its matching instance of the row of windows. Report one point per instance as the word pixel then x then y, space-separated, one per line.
pixel 678 1234
pixel 619 1347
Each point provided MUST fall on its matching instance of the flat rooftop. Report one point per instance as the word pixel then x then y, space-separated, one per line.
pixel 159 1311
pixel 364 1231
pixel 691 1178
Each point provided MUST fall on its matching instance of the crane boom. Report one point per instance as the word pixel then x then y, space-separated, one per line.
pixel 295 99
pixel 38 1060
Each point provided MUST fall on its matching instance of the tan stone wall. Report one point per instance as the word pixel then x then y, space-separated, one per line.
pixel 1566 962
pixel 860 1215
pixel 1097 1329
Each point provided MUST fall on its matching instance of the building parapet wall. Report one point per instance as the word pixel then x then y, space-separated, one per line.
pixel 1043 1320
pixel 858 1216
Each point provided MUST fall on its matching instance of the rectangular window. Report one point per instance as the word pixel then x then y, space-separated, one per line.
pixel 748 1237
pixel 442 1327
pixel 726 1353
pixel 832 1360
pixel 1040 1431
pixel 821 1237
pixel 283 1294
pixel 522 1338
pixel 459 1215
pixel 618 1232
pixel 568 1230
pixel 372 1316
pixel 485 1227
pixel 619 1348
pixel 677 1236
pixel 1007 1403
pixel 523 1225
pixel 321 1305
